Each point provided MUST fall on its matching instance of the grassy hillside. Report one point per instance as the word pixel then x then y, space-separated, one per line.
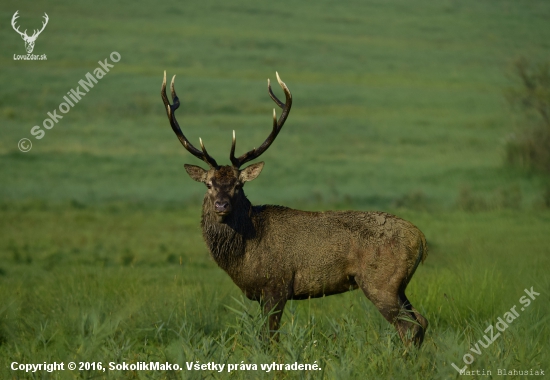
pixel 397 107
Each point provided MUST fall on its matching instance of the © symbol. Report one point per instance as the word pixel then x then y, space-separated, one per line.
pixel 24 145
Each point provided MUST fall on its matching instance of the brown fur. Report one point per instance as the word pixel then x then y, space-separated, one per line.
pixel 274 253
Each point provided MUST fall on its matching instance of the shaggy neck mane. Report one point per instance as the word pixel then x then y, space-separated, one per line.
pixel 227 240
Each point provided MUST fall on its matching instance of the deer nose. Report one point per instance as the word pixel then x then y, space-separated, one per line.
pixel 221 206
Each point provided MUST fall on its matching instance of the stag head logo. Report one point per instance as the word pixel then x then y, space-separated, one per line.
pixel 29 40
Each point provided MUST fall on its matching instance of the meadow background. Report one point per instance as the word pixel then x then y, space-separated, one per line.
pixel 398 106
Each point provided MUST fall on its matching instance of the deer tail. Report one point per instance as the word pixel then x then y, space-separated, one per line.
pixel 423 249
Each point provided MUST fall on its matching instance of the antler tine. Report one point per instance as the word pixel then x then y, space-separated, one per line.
pixel 277 125
pixel 272 95
pixel 170 111
pixel 234 161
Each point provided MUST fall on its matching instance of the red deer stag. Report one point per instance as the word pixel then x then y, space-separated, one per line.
pixel 275 254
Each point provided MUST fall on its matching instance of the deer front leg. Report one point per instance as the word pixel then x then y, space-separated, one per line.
pixel 273 306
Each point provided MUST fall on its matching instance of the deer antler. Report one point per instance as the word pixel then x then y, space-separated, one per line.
pixel 24 34
pixel 277 125
pixel 15 17
pixel 44 23
pixel 170 110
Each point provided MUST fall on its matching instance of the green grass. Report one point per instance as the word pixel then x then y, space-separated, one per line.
pixel 398 106
pixel 126 284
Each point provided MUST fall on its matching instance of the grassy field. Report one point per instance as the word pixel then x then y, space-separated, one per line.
pixel 398 106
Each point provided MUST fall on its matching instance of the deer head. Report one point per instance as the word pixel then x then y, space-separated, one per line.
pixel 224 183
pixel 29 41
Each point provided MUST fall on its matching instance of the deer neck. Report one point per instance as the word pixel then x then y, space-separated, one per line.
pixel 227 240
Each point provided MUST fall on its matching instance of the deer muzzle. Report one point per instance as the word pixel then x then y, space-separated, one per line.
pixel 222 207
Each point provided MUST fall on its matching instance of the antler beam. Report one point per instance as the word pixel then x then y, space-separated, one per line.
pixel 44 23
pixel 15 17
pixel 170 111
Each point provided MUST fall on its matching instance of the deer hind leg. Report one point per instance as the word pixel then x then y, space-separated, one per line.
pixel 397 310
pixel 414 322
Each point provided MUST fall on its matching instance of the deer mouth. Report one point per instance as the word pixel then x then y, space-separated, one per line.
pixel 222 215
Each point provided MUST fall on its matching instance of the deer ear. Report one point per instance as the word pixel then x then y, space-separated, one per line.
pixel 251 172
pixel 196 172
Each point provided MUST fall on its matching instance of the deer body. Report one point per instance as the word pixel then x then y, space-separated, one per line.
pixel 312 254
pixel 274 253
